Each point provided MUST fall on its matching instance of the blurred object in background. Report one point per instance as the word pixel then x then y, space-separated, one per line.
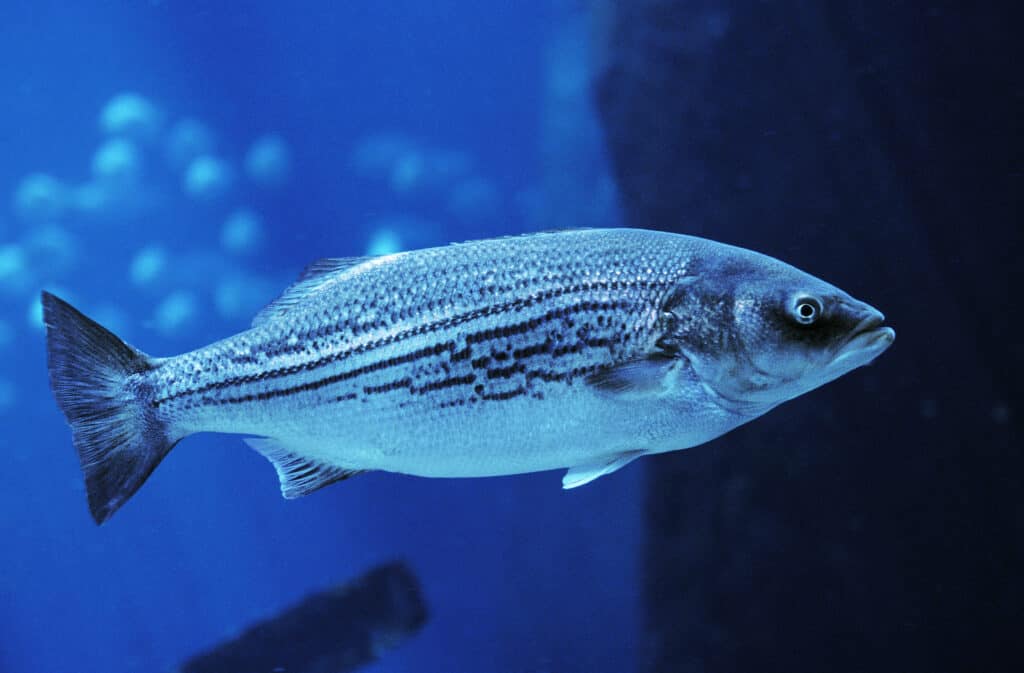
pixel 141 174
pixel 40 198
pixel 268 161
pixel 132 116
pixel 578 190
pixel 148 265
pixel 332 631
pixel 242 233
pixel 208 178
pixel 187 140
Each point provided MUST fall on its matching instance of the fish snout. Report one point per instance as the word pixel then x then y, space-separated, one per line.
pixel 868 338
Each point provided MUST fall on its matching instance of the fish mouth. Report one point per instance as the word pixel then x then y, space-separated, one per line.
pixel 869 339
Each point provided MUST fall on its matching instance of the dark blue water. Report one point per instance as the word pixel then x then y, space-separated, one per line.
pixel 518 575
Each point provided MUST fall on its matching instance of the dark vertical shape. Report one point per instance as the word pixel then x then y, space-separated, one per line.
pixel 875 524
pixel 337 630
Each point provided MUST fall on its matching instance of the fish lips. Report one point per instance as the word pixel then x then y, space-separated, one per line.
pixel 869 339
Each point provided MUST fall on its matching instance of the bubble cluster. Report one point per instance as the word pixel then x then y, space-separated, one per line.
pixel 156 229
pixel 411 169
pixel 444 195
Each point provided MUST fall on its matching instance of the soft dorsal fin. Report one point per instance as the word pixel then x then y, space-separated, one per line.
pixel 299 476
pixel 328 265
pixel 312 278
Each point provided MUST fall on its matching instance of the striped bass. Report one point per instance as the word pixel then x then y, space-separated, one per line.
pixel 580 349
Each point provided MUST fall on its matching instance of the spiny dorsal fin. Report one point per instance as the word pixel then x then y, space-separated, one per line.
pixel 313 278
pixel 299 476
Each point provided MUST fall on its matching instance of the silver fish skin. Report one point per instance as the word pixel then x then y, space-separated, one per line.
pixel 579 349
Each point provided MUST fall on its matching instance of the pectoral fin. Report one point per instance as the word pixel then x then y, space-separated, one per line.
pixel 584 474
pixel 299 476
pixel 641 377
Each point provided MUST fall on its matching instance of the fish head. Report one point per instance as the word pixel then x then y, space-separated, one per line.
pixel 758 332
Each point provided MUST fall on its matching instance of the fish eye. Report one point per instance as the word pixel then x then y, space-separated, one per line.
pixel 807 309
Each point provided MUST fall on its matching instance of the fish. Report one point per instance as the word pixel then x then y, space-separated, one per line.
pixel 580 350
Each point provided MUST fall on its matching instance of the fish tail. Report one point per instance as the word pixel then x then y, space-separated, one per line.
pixel 119 437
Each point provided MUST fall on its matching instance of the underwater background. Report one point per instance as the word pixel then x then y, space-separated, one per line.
pixel 170 167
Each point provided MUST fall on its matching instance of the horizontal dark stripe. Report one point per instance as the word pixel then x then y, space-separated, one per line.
pixel 320 383
pixel 449 346
pixel 474 338
pixel 445 383
pixel 505 395
pixel 506 372
pixel 388 387
pixel 548 376
pixel 530 351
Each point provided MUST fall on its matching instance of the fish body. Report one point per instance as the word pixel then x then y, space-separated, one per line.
pixel 580 350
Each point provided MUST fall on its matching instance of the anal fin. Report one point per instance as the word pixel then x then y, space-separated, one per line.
pixel 299 476
pixel 579 475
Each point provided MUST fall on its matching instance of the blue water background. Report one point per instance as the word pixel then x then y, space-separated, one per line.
pixel 519 575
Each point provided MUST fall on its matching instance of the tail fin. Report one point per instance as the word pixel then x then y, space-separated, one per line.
pixel 119 439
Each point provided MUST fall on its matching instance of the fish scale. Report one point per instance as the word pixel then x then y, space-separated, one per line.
pixel 476 338
pixel 486 292
pixel 580 349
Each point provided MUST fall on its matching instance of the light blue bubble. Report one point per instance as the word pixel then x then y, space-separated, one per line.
pixel 117 163
pixel 242 233
pixel 268 161
pixel 147 265
pixel 208 178
pixel 132 116
pixel 384 242
pixel 40 198
pixel 408 173
pixel 14 269
pixel 176 312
